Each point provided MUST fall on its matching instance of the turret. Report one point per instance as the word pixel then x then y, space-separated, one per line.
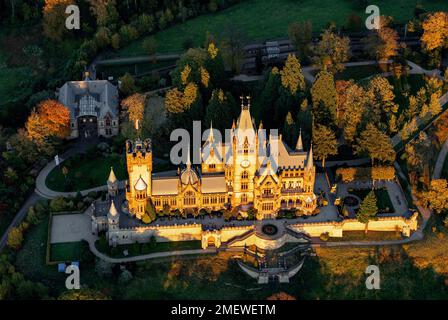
pixel 113 217
pixel 299 145
pixel 112 183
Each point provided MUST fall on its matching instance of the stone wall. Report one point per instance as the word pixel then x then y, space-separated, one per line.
pixel 336 229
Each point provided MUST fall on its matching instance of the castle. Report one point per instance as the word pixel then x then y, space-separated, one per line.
pixel 250 171
pixel 253 171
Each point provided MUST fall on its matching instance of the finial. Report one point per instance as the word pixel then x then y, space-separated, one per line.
pixel 248 101
pixel 188 163
pixel 242 101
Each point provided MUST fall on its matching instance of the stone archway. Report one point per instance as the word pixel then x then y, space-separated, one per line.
pixel 211 239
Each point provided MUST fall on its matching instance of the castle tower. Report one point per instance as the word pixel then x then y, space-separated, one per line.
pixel 139 166
pixel 299 145
pixel 245 153
pixel 112 183
pixel 113 218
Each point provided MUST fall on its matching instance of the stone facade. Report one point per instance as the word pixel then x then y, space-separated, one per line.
pixel 251 171
pixel 93 106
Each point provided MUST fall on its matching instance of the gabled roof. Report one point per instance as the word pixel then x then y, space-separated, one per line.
pixel 103 92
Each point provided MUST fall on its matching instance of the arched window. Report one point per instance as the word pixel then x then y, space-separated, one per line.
pixel 244 198
pixel 189 198
pixel 245 175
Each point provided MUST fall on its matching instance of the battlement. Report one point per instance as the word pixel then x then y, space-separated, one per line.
pixel 138 147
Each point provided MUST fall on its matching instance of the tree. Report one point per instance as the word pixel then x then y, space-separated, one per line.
pixel 220 110
pixel 150 47
pixel 289 130
pixel 127 84
pixel 381 102
pixel 324 97
pixel 54 16
pixel 382 44
pixel 151 211
pixel 301 34
pixel 436 198
pixel 83 294
pixel 105 12
pixel 291 75
pixel 135 106
pixel 435 31
pixel 232 46
pixel 352 100
pixel 15 238
pixel 324 143
pixel 332 52
pixel 281 296
pixel 368 208
pixel 49 119
pixel 173 101
pixel 377 144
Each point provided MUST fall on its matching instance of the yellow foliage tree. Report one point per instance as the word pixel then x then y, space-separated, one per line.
pixel 174 101
pixel 205 77
pixel 291 75
pixel 185 74
pixel 135 105
pixel 212 50
pixel 435 30
pixel 190 94
pixel 54 16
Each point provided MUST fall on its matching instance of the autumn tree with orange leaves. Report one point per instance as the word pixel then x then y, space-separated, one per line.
pixel 49 119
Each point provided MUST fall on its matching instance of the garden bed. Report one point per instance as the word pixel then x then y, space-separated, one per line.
pixel 383 203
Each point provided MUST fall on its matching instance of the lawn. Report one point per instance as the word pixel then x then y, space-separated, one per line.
pixel 117 70
pixel 266 19
pixel 358 73
pixel 384 203
pixel 69 251
pixel 145 248
pixel 85 172
pixel 369 236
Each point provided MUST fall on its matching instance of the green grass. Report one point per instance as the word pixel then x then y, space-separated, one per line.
pixel 69 251
pixel 369 236
pixel 145 248
pixel 86 172
pixel 266 19
pixel 117 70
pixel 358 73
pixel 384 203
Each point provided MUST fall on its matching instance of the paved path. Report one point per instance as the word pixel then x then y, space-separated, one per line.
pixel 440 161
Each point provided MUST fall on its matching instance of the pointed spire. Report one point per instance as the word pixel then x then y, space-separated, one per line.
pixel 309 161
pixel 299 145
pixel 233 124
pixel 112 210
pixel 188 163
pixel 112 177
pixel 261 125
pixel 211 137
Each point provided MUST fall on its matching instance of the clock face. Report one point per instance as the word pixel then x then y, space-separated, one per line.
pixel 245 163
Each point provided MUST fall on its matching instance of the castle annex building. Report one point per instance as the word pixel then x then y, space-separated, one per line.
pixel 93 106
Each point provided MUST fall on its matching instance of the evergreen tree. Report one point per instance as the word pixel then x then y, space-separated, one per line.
pixel 368 208
pixel 376 144
pixel 324 143
pixel 325 98
pixel 220 110
pixel 289 131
